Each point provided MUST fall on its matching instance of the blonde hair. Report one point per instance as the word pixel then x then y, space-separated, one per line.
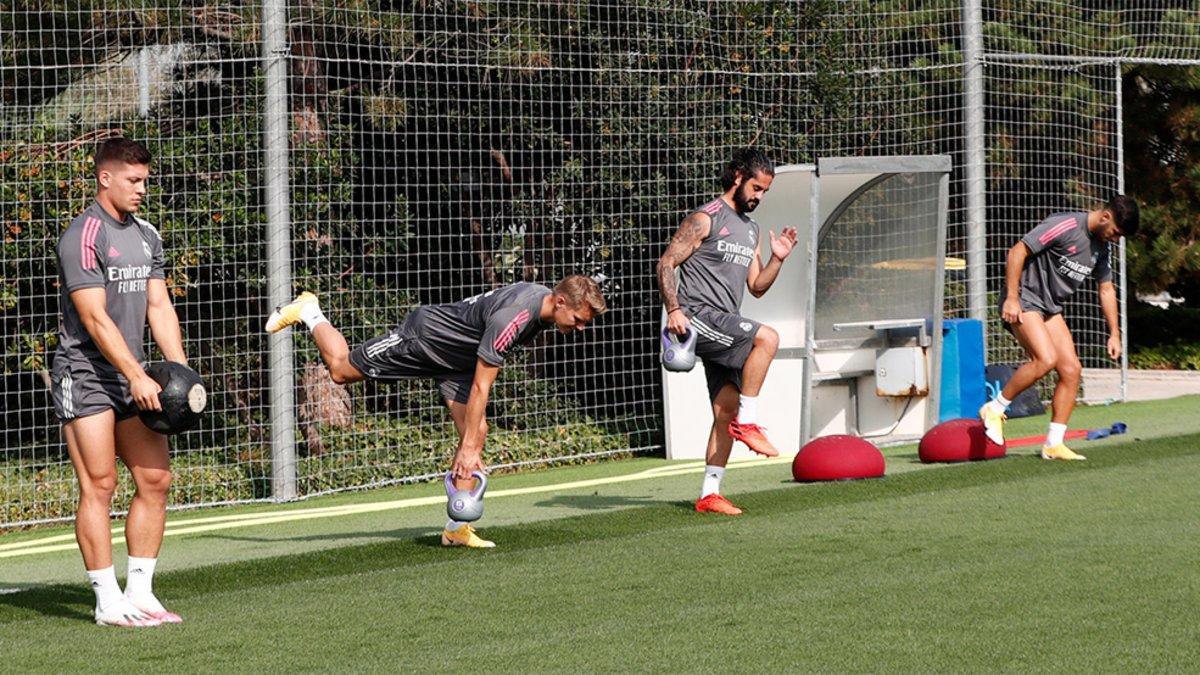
pixel 579 290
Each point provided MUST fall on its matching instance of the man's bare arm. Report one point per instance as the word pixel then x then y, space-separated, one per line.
pixel 164 322
pixel 469 456
pixel 1013 266
pixel 687 239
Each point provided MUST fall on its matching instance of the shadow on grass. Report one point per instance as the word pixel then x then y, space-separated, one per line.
pixel 58 600
pixel 597 502
pixel 403 533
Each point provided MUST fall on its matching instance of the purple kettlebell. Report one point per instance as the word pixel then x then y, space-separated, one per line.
pixel 678 356
pixel 465 505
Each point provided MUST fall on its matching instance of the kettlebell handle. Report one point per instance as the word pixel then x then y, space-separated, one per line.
pixel 670 339
pixel 476 492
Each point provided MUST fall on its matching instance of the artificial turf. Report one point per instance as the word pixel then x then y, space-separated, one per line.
pixel 1016 564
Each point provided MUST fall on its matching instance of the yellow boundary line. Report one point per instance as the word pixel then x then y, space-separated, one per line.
pixel 66 542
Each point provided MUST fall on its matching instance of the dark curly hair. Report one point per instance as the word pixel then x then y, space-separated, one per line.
pixel 747 162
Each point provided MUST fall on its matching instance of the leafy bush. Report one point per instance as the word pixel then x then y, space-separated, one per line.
pixel 1164 338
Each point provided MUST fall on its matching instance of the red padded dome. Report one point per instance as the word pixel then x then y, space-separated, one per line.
pixel 958 440
pixel 838 457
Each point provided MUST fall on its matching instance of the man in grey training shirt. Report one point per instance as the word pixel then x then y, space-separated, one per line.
pixel 1045 268
pixel 461 346
pixel 716 253
pixel 111 282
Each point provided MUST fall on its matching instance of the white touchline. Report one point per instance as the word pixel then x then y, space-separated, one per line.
pixel 51 543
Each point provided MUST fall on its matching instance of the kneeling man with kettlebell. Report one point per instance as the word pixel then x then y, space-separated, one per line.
pixel 462 346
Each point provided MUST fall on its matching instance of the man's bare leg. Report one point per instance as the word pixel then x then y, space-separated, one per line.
pixel 335 352
pixel 745 427
pixel 724 410
pixel 458 412
pixel 1065 392
pixel 305 309
pixel 146 455
pixel 91 443
pixel 1069 369
pixel 720 443
pixel 1035 339
pixel 754 372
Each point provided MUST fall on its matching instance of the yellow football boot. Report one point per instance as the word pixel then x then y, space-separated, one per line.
pixel 1061 451
pixel 289 314
pixel 993 424
pixel 465 536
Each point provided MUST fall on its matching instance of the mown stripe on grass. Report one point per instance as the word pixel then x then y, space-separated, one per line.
pixel 515 538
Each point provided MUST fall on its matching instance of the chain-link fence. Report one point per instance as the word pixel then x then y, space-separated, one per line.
pixel 386 154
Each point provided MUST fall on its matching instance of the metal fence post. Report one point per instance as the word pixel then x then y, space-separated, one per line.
pixel 974 166
pixel 1122 292
pixel 279 264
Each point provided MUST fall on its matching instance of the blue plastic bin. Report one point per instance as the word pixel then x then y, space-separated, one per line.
pixel 964 388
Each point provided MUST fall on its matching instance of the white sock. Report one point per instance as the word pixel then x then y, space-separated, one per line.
pixel 1055 435
pixel 104 584
pixel 139 582
pixel 311 315
pixel 747 410
pixel 999 404
pixel 139 579
pixel 712 480
pixel 453 525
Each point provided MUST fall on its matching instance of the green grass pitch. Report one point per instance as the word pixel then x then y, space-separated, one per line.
pixel 1010 565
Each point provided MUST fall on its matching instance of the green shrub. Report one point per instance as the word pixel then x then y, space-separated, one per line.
pixel 1164 338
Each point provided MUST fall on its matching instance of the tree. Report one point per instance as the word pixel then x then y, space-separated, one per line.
pixel 1162 170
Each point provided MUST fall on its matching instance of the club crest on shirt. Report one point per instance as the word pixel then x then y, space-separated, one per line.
pixel 745 326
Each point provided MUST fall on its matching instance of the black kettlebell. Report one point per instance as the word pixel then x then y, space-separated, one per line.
pixel 182 398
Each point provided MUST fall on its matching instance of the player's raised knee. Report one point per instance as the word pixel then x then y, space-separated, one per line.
pixel 343 373
pixel 767 338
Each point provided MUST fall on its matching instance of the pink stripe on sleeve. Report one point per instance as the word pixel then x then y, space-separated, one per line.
pixel 506 336
pixel 1056 231
pixel 91 227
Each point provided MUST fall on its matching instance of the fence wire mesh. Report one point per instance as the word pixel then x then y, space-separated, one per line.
pixel 442 148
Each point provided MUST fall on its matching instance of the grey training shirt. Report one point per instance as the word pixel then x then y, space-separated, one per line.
pixel 488 326
pixel 99 251
pixel 1062 254
pixel 714 276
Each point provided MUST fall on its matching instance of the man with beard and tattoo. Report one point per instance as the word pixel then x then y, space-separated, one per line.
pixel 716 253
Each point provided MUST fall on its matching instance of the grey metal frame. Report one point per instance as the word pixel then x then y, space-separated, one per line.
pixel 887 165
pixel 807 370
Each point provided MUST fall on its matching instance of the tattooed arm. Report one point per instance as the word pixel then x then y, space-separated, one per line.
pixel 691 232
